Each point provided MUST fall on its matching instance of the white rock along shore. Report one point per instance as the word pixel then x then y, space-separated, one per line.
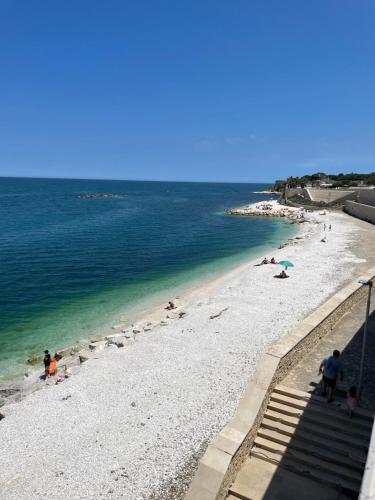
pixel 132 418
pixel 270 208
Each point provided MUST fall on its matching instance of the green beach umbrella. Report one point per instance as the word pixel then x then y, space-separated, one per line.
pixel 286 263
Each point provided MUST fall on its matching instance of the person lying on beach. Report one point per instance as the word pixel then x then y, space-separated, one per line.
pixel 264 261
pixel 170 306
pixel 282 275
pixel 324 240
pixel 273 261
pixel 62 375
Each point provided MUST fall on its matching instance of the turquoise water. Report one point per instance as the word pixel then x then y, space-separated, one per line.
pixel 71 266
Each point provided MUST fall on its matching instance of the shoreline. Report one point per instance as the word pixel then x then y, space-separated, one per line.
pixel 119 333
pixel 134 317
pixel 148 408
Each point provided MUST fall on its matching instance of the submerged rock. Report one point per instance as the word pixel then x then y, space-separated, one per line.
pixel 9 392
pixel 98 195
pixel 34 360
pixel 68 351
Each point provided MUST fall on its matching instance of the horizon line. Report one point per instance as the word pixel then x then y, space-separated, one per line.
pixel 131 180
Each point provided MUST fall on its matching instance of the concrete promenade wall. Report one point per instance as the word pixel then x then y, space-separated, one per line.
pixel 366 196
pixel 361 211
pixel 230 448
pixel 330 196
pixel 290 192
pixel 326 196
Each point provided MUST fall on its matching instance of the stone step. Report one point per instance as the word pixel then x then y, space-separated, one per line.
pixel 322 422
pixel 316 432
pixel 306 458
pixel 347 457
pixel 310 469
pixel 314 398
pixel 313 413
pixel 305 439
pixel 261 480
pixel 330 411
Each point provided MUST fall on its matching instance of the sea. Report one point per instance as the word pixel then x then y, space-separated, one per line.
pixel 71 266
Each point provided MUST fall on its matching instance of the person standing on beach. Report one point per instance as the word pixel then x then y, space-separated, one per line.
pixel 330 227
pixel 47 362
pixel 330 368
pixel 324 226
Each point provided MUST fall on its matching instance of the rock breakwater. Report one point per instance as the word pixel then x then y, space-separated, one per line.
pixel 270 208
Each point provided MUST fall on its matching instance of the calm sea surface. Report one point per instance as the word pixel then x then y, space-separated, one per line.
pixel 70 266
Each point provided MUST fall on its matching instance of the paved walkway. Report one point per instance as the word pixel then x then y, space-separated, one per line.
pixel 346 336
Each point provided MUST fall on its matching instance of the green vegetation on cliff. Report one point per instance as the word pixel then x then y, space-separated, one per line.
pixel 339 180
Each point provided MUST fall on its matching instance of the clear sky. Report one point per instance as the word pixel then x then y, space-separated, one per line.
pixel 237 90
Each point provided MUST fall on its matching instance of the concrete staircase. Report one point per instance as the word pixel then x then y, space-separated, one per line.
pixel 305 448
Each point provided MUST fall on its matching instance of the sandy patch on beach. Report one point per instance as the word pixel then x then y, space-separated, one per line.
pixel 132 418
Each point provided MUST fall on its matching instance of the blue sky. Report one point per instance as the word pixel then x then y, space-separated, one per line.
pixel 236 90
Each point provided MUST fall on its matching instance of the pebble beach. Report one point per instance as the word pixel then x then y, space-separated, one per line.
pixel 132 421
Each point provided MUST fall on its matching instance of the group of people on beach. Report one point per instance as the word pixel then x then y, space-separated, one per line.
pixel 324 239
pixel 331 369
pixel 281 275
pixel 50 367
pixel 266 261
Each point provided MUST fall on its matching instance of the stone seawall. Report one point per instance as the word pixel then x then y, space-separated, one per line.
pixel 229 449
pixel 330 196
pixel 361 211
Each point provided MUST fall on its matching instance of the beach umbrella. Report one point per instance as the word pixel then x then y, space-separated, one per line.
pixel 286 263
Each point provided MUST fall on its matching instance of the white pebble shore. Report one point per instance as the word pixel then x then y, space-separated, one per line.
pixel 135 415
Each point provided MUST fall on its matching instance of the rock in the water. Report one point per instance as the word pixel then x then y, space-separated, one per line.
pixel 98 195
pixel 34 360
pixel 118 326
pixel 9 391
pixel 68 351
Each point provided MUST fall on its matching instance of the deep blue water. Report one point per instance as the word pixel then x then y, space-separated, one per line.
pixel 69 265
